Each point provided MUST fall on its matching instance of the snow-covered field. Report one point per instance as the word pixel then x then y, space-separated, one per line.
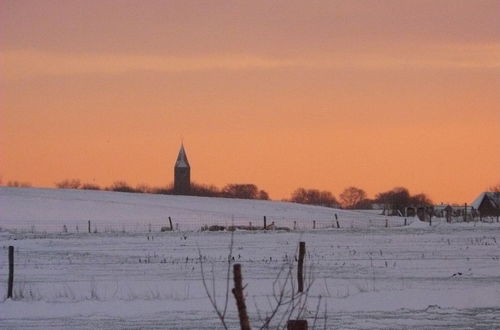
pixel 368 276
pixel 50 209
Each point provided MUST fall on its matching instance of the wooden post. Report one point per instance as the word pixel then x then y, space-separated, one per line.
pixel 171 226
pixel 295 225
pixel 314 224
pixel 265 223
pixel 430 221
pixel 300 267
pixel 406 221
pixel 11 272
pixel 89 227
pixel 465 212
pixel 296 325
pixel 240 298
pixel 386 223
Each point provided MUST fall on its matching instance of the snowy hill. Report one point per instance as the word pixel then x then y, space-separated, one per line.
pixel 419 276
pixel 50 209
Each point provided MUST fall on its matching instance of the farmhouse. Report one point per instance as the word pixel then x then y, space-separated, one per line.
pixel 488 204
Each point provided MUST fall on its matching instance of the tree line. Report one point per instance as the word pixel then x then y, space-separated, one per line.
pixel 233 190
pixel 396 199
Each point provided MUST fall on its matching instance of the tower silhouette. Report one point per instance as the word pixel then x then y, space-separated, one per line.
pixel 182 173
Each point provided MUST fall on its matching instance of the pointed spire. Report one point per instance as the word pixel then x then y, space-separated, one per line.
pixel 182 160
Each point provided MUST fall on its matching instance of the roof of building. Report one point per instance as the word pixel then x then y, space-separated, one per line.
pixel 441 207
pixel 494 198
pixel 182 160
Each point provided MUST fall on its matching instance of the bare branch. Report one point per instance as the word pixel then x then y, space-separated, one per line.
pixel 317 312
pixel 228 273
pixel 207 291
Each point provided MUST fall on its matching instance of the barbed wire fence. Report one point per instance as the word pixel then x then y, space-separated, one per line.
pixel 90 226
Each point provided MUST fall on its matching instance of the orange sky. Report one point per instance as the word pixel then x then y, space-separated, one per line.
pixel 319 94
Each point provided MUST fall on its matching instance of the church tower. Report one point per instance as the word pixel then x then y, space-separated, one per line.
pixel 182 173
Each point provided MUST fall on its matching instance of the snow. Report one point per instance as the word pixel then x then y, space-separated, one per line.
pixel 50 209
pixel 368 276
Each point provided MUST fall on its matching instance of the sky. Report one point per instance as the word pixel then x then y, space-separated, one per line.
pixel 283 94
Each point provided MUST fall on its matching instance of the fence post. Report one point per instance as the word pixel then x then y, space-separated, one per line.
pixel 171 226
pixel 314 224
pixel 405 222
pixel 295 225
pixel 11 272
pixel 296 325
pixel 300 270
pixel 89 227
pixel 265 223
pixel 240 298
pixel 465 212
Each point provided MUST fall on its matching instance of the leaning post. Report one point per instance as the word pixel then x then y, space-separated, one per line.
pixel 300 266
pixel 240 298
pixel 11 272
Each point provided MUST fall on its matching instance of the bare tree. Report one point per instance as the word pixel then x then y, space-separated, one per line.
pixel 245 191
pixel 121 186
pixel 90 186
pixel 284 303
pixel 211 294
pixel 314 197
pixel 351 197
pixel 68 184
pixel 18 184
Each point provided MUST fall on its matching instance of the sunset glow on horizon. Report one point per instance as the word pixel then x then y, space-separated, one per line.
pixel 283 94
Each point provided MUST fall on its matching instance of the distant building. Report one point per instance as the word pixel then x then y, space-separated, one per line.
pixel 488 204
pixel 444 211
pixel 182 173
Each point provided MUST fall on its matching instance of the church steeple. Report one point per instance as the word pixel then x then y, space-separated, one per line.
pixel 182 173
pixel 182 160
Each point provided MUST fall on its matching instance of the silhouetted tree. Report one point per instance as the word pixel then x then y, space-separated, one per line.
pixel 365 204
pixel 143 188
pixel 351 197
pixel 399 198
pixel 244 191
pixel 263 195
pixel 166 190
pixel 68 184
pixel 421 200
pixel 121 186
pixel 204 190
pixel 314 197
pixel 396 199
pixel 18 184
pixel 90 186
